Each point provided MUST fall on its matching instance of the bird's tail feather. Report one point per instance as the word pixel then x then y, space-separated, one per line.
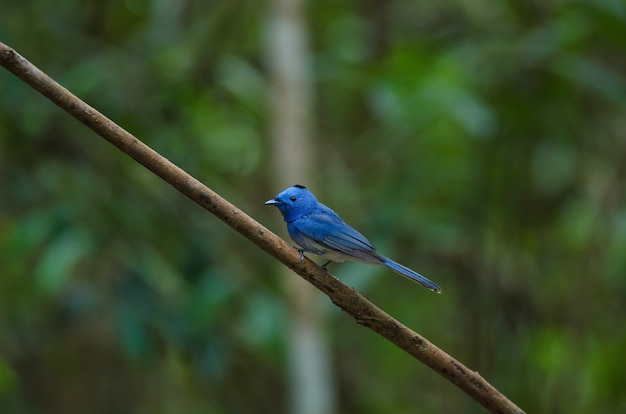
pixel 410 274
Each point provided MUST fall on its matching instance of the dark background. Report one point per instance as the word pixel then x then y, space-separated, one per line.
pixel 482 144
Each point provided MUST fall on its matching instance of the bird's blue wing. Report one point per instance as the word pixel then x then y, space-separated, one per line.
pixel 326 229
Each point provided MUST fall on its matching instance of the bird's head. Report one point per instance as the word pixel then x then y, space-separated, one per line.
pixel 294 202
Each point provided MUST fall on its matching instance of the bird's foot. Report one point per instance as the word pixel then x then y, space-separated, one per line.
pixel 301 251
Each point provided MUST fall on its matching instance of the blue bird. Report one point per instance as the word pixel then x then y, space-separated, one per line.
pixel 319 230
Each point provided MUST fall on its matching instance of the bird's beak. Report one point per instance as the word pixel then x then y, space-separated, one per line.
pixel 271 202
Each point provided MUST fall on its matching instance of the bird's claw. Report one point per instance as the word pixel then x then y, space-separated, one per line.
pixel 301 251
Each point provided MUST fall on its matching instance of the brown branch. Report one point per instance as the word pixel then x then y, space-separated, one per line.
pixel 364 312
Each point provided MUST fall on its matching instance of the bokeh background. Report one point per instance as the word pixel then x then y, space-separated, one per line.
pixel 482 144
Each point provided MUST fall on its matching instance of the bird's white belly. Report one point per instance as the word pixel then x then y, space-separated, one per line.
pixel 326 253
pixel 335 256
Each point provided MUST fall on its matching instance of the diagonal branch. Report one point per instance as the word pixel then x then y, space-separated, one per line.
pixel 363 311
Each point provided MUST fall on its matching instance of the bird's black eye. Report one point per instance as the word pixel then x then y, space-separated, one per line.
pixel 293 198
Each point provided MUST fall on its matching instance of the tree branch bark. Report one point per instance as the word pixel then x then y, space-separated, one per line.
pixel 363 311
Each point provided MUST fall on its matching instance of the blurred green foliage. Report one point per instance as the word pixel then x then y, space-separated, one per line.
pixel 480 143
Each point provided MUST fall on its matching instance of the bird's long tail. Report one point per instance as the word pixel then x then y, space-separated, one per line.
pixel 409 274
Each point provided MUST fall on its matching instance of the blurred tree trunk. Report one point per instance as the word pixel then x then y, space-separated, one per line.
pixel 310 378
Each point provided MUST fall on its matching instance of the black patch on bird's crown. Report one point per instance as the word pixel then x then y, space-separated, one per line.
pixel 300 186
